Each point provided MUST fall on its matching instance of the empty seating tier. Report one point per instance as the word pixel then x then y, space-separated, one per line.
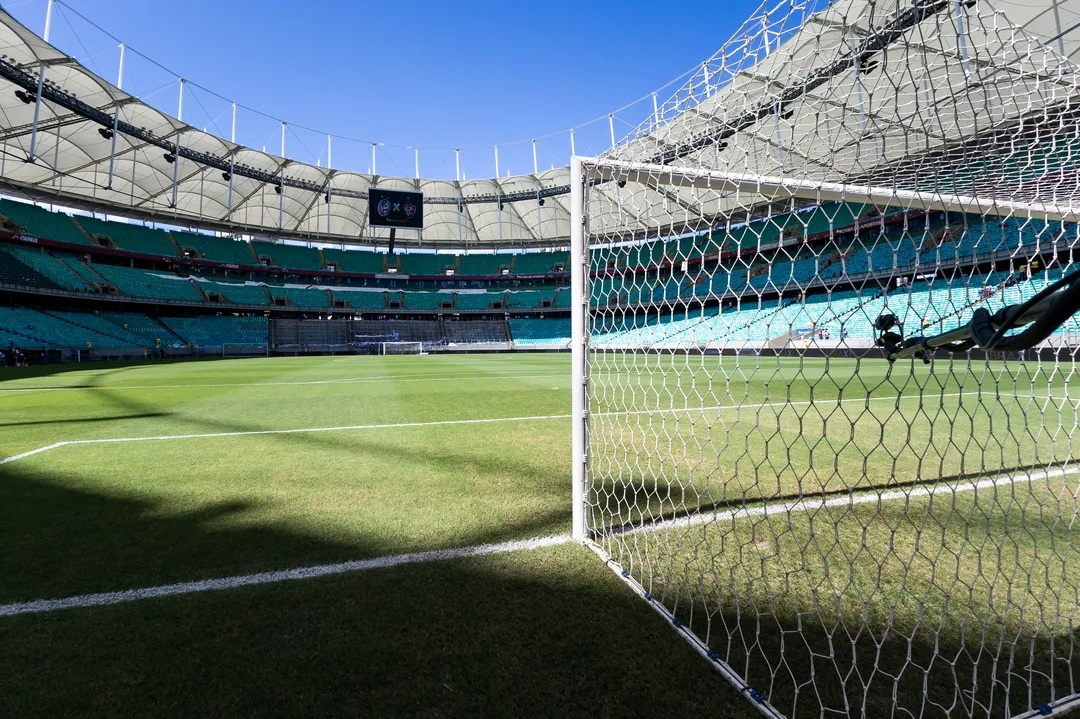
pixel 132 237
pixel 216 249
pixel 294 257
pixel 42 223
pixel 146 283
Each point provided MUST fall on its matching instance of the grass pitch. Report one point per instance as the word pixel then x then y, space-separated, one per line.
pixel 190 471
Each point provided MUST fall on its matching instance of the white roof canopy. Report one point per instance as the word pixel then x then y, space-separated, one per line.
pixel 834 124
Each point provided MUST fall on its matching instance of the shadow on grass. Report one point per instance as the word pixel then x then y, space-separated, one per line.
pixel 88 420
pixel 544 632
pixel 541 632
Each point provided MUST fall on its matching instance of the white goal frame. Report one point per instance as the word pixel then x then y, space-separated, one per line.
pixel 585 169
pixel 750 189
pixel 418 346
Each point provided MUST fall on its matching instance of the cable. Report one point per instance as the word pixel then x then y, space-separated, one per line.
pixel 1045 312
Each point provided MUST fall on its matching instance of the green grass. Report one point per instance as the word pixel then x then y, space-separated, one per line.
pixel 848 592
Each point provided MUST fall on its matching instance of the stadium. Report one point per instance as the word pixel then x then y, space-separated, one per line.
pixel 759 405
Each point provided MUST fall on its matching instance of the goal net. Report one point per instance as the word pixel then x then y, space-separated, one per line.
pixel 401 348
pixel 836 533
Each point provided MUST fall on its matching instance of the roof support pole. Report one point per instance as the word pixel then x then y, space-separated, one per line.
pixel 116 119
pixel 373 170
pixel 496 162
pixel 460 209
pixel 281 182
pixel 539 218
pixel 40 85
pixel 572 152
pixel 134 164
pixel 56 158
pixel 536 170
pixel 655 111
pixel 961 38
pixel 329 179
pixel 232 136
pixel 708 78
pixel 416 160
pixel 858 86
pixel 176 148
pixel 611 128
pixel 232 166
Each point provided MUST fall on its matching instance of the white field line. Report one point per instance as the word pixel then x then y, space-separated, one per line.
pixel 527 418
pixel 354 380
pixel 93 600
pixel 246 433
pixel 247 580
pixel 90 600
pixel 868 496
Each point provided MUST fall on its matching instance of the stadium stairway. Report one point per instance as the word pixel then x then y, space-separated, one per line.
pixel 14 271
pixel 92 277
pixel 95 324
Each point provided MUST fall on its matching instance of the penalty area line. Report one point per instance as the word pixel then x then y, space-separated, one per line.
pixel 302 430
pixel 247 580
pixel 613 413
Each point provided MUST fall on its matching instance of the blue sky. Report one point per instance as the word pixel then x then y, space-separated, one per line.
pixel 427 74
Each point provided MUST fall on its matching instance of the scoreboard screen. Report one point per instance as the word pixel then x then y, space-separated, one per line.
pixel 395 208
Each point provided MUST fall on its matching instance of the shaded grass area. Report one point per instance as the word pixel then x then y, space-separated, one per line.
pixel 544 633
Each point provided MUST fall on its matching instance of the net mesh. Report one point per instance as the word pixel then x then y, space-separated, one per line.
pixel 401 348
pixel 839 534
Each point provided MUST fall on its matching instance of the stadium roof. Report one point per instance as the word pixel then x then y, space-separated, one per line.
pixel 844 128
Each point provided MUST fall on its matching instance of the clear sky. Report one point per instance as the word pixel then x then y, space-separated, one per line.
pixel 429 74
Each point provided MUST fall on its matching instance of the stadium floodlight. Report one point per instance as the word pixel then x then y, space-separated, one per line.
pixel 839 528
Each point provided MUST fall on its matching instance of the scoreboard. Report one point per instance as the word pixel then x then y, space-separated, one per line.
pixel 395 208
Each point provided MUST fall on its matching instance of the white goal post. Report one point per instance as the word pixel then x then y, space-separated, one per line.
pixel 839 534
pixel 706 454
pixel 401 348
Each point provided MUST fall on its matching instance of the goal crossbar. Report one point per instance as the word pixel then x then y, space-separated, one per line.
pixel 819 191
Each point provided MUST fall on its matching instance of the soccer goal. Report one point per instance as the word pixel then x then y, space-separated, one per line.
pixel 242 349
pixel 852 495
pixel 401 348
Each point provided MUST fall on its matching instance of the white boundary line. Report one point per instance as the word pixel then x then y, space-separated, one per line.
pixel 247 580
pixel 529 418
pixel 870 496
pixel 246 433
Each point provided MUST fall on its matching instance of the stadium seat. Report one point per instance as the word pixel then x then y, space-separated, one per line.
pixel 42 223
pixel 301 297
pixel 144 283
pixel 132 237
pixel 54 270
pixel 216 249
pixel 295 257
pixel 487 265
pixel 362 261
pixel 417 263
